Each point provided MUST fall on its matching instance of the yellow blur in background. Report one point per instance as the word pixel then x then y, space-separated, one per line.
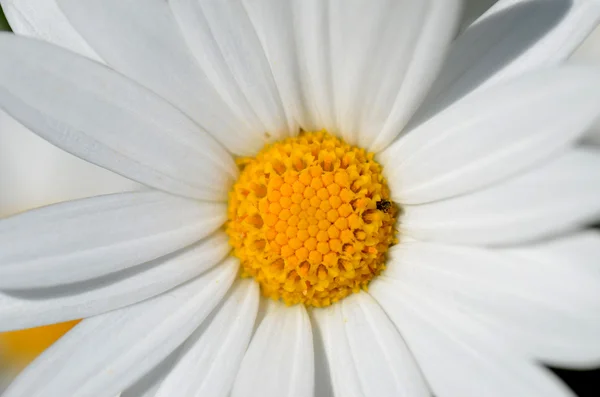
pixel 19 348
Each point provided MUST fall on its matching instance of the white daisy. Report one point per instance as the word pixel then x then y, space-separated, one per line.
pixel 474 155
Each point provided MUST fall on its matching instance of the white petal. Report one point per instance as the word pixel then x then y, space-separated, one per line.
pixel 281 345
pixel 581 250
pixel 99 115
pixel 513 37
pixel 589 53
pixel 386 55
pixel 493 134
pixel 577 19
pixel 35 307
pixel 310 32
pixel 589 50
pixel 83 239
pixel 43 19
pixel 561 195
pixel 472 10
pixel 148 385
pixel 105 354
pixel 459 357
pixel 548 309
pixel 367 356
pixel 384 364
pixel 141 39
pixel 594 135
pixel 34 173
pixel 273 22
pixel 211 357
pixel 323 381
pixel 367 66
pixel 222 37
pixel 340 365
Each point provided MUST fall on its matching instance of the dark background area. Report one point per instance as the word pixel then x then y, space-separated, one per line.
pixel 584 383
pixel 3 23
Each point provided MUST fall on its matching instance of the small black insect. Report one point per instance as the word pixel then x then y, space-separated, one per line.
pixel 384 205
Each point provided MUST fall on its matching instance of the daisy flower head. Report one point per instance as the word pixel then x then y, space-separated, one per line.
pixel 343 198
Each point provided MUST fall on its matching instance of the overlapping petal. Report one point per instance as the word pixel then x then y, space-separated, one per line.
pixel 148 385
pixel 282 345
pixel 223 38
pixel 493 134
pixel 560 196
pixel 548 308
pixel 366 355
pixel 513 37
pixel 210 359
pixel 105 354
pixel 35 307
pixel 458 356
pixel 43 19
pixel 581 249
pixel 142 39
pixel 99 115
pixel 357 69
pixel 88 238
pixel 35 173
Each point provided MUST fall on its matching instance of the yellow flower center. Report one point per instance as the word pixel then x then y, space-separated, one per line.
pixel 310 219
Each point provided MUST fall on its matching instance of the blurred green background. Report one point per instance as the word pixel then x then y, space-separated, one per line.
pixel 3 23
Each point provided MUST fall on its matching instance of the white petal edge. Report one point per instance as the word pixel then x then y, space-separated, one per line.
pixel 43 19
pixel 364 69
pixel 148 385
pixel 133 341
pixel 274 24
pixel 281 345
pixel 88 238
pixel 504 43
pixel 457 356
pixel 35 173
pixel 547 309
pixel 384 57
pixel 384 364
pixel 581 18
pixel 310 27
pixel 594 135
pixel 560 196
pixel 367 357
pixel 210 359
pixel 101 116
pixel 36 307
pixel 149 48
pixel 493 134
pixel 224 41
pixel 323 381
pixel 339 363
pixel 581 249
pixel 589 53
pixel 472 10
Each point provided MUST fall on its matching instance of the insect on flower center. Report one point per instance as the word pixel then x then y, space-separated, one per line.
pixel 310 219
